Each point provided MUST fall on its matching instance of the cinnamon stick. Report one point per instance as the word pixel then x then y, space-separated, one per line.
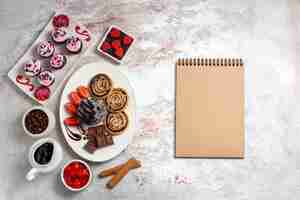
pixel 110 171
pixel 130 164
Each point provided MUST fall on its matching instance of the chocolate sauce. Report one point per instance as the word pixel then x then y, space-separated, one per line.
pixel 74 136
pixel 43 153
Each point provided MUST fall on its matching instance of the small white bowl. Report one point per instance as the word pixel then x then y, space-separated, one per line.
pixel 76 189
pixel 51 122
pixel 105 36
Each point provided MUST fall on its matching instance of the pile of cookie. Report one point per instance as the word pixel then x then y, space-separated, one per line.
pixel 101 108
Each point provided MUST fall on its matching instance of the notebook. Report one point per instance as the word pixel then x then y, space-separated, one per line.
pixel 209 108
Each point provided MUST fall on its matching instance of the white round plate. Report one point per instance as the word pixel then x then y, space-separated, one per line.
pixel 82 77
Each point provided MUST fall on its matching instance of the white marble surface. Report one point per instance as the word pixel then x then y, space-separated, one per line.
pixel 264 33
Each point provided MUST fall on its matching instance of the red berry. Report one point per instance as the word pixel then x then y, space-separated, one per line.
pixel 76 165
pixel 84 181
pixel 105 46
pixel 116 44
pixel 119 53
pixel 127 40
pixel 85 173
pixel 76 184
pixel 115 33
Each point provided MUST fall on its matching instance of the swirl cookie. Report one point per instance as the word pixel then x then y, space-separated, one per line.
pixel 117 122
pixel 116 100
pixel 100 85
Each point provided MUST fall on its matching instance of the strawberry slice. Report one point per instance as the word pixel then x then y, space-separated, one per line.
pixel 115 33
pixel 71 121
pixel 71 108
pixel 75 98
pixel 83 91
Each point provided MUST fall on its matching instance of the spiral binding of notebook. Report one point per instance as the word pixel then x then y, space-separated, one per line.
pixel 215 62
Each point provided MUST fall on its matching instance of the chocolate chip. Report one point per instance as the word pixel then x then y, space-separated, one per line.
pixel 36 121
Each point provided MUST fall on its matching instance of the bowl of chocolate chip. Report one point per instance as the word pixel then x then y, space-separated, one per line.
pixel 38 121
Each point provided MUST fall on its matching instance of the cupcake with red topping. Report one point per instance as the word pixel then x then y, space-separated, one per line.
pixel 61 21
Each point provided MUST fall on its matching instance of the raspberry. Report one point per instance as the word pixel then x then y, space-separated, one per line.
pixel 105 46
pixel 116 44
pixel 119 52
pixel 127 40
pixel 115 33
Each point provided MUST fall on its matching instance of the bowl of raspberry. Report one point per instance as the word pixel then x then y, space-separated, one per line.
pixel 115 43
pixel 76 175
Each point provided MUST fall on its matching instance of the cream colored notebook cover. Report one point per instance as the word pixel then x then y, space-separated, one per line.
pixel 210 108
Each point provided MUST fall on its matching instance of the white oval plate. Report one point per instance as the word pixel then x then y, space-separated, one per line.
pixel 82 77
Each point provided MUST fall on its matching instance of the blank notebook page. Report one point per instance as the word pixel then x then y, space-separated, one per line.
pixel 210 108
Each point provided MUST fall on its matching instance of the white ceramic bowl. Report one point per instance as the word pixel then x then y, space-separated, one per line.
pixel 51 122
pixel 76 189
pixel 107 54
